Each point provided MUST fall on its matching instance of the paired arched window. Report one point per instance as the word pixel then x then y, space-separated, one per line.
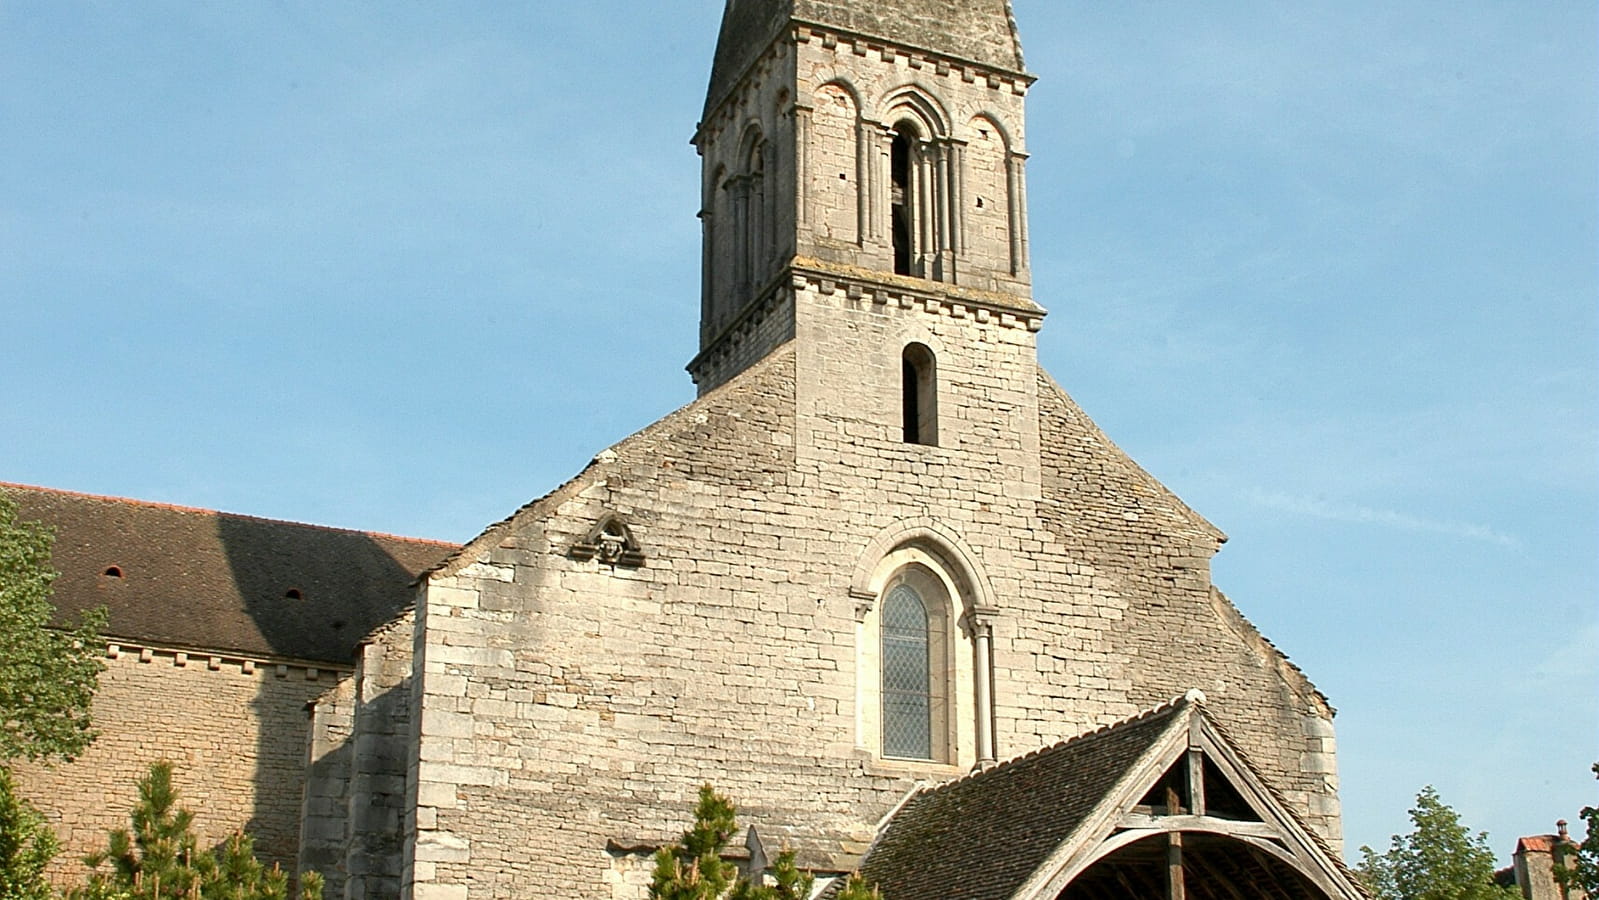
pixel 902 201
pixel 921 185
pixel 752 217
pixel 919 395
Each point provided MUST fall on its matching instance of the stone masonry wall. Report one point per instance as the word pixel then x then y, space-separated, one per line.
pixel 234 729
pixel 379 762
pixel 973 116
pixel 355 808
pixel 325 812
pixel 570 702
pixel 570 708
pixel 1137 552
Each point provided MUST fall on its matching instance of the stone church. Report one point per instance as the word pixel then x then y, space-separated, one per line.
pixel 883 583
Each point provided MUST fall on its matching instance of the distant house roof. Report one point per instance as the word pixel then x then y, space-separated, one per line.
pixel 1536 843
pixel 206 580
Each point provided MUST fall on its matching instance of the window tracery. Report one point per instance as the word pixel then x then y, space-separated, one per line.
pixel 907 689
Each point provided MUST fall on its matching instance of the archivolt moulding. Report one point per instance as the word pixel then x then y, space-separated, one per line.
pixel 936 539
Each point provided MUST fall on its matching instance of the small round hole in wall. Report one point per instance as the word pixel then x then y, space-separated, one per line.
pixel 294 594
pixel 112 572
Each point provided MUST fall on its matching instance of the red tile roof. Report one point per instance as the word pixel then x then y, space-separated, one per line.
pixel 1537 843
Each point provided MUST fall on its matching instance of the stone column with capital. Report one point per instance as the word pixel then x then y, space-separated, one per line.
pixel 982 624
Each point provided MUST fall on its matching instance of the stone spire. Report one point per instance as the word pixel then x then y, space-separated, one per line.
pixel 978 31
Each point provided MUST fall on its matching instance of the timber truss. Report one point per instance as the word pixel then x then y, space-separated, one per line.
pixel 1162 806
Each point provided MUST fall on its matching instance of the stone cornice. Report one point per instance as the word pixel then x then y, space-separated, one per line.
pixel 215 660
pixel 882 288
pixel 934 297
pixel 802 31
pixel 942 64
pixel 751 316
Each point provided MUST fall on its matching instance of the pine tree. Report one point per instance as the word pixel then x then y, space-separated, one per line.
pixel 158 858
pixel 791 882
pixel 26 846
pixel 47 675
pixel 855 888
pixel 694 869
pixel 1439 860
pixel 235 874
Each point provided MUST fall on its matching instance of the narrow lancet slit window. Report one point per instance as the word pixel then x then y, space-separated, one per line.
pixel 902 204
pixel 919 394
pixel 907 676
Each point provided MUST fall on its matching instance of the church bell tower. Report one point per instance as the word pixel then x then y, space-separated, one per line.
pixel 872 155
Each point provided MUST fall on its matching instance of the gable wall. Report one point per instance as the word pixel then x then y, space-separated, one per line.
pixel 567 707
pixel 1144 561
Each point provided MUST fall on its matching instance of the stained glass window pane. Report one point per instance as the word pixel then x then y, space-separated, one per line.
pixel 907 698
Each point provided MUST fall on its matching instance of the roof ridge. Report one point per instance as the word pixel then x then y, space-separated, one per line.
pixel 1194 696
pixel 200 510
pixel 611 454
pixel 1282 655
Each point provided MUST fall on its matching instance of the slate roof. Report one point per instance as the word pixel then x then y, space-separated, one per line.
pixel 981 837
pixel 204 580
pixel 979 31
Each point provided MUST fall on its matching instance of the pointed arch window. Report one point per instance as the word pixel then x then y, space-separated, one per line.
pixel 925 688
pixel 907 676
pixel 914 670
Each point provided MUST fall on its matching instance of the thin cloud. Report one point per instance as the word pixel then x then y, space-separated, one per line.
pixel 1366 515
pixel 1570 662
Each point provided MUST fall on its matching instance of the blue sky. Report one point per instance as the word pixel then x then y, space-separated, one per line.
pixel 1327 270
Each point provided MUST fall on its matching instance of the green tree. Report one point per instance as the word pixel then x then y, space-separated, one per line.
pixel 1439 860
pixel 47 675
pixel 790 882
pixel 237 875
pixel 856 888
pixel 693 869
pixel 26 846
pixel 1581 861
pixel 158 858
